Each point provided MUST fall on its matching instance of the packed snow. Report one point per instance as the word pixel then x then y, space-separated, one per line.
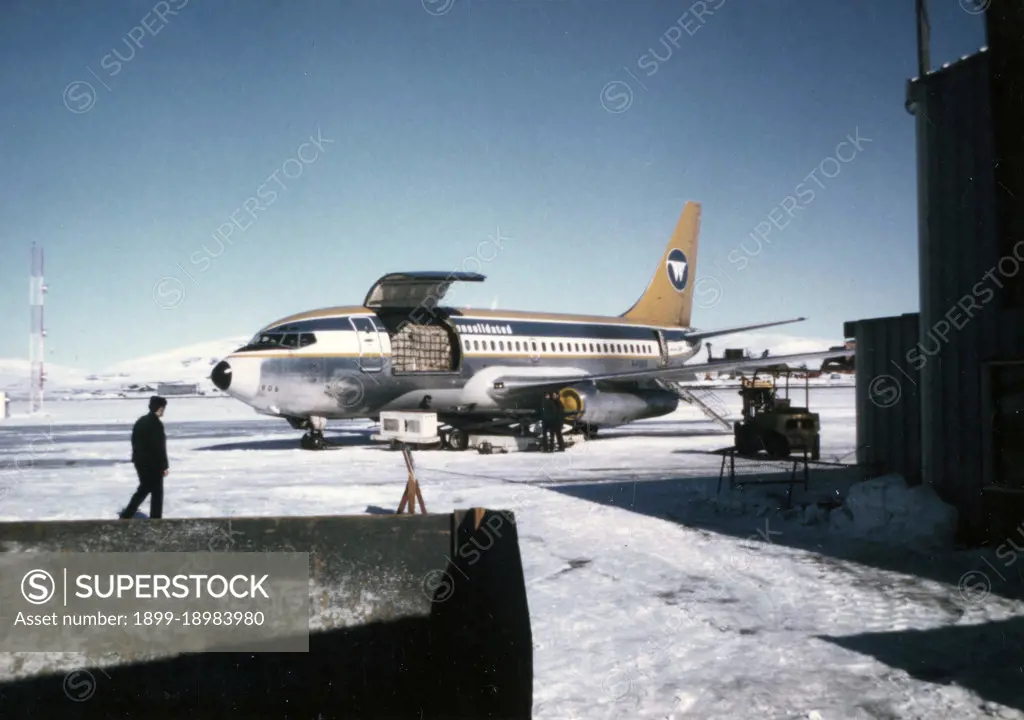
pixel 652 593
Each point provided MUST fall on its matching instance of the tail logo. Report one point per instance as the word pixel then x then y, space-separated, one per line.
pixel 678 269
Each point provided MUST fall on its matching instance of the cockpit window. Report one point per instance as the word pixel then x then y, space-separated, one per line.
pixel 263 341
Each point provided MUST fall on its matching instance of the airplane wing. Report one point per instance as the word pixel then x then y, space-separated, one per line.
pixel 509 384
pixel 705 334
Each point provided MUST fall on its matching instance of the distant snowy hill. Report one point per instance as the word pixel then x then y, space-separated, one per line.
pixel 189 364
pixel 14 376
pixel 193 363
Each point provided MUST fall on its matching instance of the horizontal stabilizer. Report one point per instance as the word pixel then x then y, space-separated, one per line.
pixel 705 334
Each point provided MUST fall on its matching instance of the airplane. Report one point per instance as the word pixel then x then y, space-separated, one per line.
pixel 482 370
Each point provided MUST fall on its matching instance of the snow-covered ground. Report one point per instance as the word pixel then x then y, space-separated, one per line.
pixel 652 595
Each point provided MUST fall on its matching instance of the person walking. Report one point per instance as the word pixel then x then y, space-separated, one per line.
pixel 149 456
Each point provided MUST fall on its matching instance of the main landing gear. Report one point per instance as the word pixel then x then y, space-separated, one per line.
pixel 314 438
pixel 456 439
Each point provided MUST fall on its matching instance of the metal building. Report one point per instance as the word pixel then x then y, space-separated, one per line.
pixel 970 353
pixel 177 389
pixel 888 402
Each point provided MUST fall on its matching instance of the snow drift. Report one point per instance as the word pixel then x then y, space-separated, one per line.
pixel 885 509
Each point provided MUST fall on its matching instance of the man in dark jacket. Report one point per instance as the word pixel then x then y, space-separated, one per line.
pixel 558 420
pixel 149 455
pixel 547 423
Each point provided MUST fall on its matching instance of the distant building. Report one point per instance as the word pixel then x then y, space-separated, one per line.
pixel 177 388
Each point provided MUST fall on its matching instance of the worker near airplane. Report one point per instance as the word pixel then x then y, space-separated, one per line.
pixel 558 421
pixel 149 455
pixel 547 422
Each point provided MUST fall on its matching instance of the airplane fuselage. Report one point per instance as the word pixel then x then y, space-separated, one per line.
pixel 354 362
pixel 480 369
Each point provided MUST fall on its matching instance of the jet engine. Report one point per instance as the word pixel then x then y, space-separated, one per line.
pixel 592 406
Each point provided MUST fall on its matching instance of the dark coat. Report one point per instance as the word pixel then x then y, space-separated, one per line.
pixel 559 412
pixel 548 411
pixel 149 443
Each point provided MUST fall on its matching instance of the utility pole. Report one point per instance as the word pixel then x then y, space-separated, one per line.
pixel 36 290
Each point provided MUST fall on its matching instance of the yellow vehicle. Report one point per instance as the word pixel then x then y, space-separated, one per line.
pixel 772 424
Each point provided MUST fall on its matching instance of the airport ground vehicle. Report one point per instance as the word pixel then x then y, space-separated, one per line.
pixel 771 423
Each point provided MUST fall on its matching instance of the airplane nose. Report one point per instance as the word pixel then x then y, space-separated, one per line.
pixel 240 378
pixel 221 376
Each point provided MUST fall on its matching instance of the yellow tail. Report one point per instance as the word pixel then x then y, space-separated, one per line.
pixel 668 298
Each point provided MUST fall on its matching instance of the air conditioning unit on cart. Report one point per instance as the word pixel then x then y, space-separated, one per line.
pixel 408 428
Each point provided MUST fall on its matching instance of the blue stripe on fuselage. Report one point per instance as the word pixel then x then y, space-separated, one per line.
pixel 468 325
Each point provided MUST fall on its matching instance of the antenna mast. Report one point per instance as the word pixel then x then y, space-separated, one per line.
pixel 36 290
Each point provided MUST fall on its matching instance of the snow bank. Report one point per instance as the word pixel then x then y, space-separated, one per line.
pixel 885 510
pixel 881 510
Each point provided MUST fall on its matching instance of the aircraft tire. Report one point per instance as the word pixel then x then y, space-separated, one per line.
pixel 777 446
pixel 746 439
pixel 312 441
pixel 458 439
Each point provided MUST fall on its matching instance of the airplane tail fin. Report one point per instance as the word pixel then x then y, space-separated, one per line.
pixel 668 298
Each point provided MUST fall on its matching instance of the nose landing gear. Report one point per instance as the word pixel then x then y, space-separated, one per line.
pixel 314 438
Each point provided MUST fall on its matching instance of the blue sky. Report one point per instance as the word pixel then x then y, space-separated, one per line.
pixel 435 125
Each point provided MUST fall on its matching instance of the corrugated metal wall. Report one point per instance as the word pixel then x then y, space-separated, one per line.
pixel 963 319
pixel 957 245
pixel 888 402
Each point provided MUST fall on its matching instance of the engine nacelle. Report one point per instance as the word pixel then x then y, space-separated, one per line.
pixel 592 406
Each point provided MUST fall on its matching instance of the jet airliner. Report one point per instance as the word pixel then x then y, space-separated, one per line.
pixel 482 370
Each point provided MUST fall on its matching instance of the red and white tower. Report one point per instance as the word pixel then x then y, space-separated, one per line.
pixel 36 291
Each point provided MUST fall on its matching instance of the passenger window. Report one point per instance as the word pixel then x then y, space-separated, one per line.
pixel 544 347
pixel 534 347
pixel 561 348
pixel 517 346
pixel 501 345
